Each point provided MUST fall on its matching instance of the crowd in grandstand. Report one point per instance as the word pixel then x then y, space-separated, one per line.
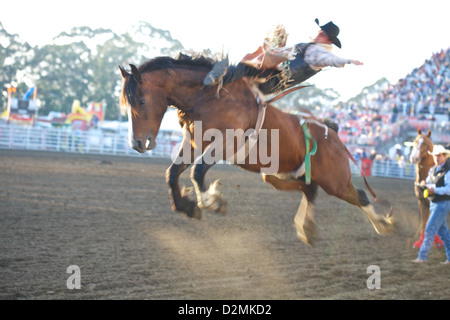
pixel 421 95
pixel 424 90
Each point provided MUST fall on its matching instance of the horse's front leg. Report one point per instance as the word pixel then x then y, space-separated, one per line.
pixel 424 209
pixel 182 201
pixel 209 198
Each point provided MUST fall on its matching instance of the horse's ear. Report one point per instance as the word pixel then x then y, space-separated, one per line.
pixel 429 133
pixel 419 131
pixel 124 73
pixel 135 72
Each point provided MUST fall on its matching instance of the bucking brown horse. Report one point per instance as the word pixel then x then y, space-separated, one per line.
pixel 304 154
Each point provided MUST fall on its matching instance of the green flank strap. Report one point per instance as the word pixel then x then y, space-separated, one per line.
pixel 308 154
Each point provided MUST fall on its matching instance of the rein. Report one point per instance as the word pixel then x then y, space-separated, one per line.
pixel 284 93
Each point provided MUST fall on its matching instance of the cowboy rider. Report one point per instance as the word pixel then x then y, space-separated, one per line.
pixel 307 60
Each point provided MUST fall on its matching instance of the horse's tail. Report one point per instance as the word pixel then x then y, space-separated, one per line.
pixel 383 202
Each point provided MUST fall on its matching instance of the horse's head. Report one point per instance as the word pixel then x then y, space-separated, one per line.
pixel 146 103
pixel 422 144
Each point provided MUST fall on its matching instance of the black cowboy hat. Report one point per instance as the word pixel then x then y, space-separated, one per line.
pixel 332 31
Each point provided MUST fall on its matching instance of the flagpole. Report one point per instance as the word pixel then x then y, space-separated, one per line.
pixel 36 109
pixel 8 106
pixel 11 89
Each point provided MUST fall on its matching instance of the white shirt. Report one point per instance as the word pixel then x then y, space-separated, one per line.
pixel 318 55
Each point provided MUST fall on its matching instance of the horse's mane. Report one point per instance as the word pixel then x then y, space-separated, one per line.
pixel 182 60
pixel 161 63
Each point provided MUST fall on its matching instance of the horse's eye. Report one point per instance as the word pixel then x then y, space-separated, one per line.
pixel 141 102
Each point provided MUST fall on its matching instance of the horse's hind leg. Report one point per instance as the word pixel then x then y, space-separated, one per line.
pixel 382 225
pixel 304 219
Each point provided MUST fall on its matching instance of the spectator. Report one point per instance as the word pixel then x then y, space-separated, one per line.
pixel 438 186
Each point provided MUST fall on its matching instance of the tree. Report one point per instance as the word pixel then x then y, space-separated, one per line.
pixel 83 64
pixel 14 57
pixel 63 75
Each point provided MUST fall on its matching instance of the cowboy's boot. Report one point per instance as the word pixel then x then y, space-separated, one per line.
pixel 218 70
pixel 418 243
pixel 438 242
pixel 224 73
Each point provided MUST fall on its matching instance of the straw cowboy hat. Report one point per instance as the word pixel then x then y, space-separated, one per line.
pixel 438 149
pixel 332 31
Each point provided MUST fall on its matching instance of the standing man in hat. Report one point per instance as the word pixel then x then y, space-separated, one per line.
pixel 308 59
pixel 438 187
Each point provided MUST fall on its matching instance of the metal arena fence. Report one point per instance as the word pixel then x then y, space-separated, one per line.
pixel 66 140
pixel 116 143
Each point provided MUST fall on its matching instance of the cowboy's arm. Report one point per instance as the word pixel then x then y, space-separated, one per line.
pixel 355 62
pixel 427 180
pixel 444 190
pixel 318 58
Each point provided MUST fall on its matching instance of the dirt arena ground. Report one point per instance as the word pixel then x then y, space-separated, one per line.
pixel 111 216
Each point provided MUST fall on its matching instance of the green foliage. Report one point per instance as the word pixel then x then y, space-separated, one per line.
pixel 81 64
pixel 14 57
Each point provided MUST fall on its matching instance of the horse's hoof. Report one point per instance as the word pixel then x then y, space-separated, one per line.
pixel 386 226
pixel 307 232
pixel 216 204
pixel 220 206
pixel 191 210
pixel 196 213
pixel 213 199
pixel 307 239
